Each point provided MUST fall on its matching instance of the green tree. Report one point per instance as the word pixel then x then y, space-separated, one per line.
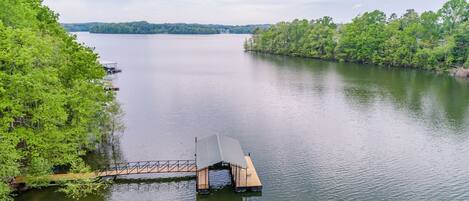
pixel 319 41
pixel 460 50
pixel 453 13
pixel 363 39
pixel 437 41
pixel 52 100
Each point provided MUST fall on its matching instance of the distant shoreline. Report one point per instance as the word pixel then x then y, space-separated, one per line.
pixel 157 33
pixel 143 27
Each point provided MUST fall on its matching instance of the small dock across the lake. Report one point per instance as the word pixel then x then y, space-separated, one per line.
pixel 111 69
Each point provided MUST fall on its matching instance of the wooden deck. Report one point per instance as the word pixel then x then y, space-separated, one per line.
pixel 246 179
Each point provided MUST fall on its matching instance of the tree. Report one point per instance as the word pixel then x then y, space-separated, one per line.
pixel 319 41
pixel 363 39
pixel 453 13
pixel 460 51
pixel 52 98
pixel 437 41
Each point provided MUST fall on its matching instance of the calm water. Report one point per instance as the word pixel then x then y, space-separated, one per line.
pixel 316 130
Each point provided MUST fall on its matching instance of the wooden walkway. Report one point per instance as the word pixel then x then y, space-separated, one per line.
pixel 243 178
pixel 147 167
pixel 129 168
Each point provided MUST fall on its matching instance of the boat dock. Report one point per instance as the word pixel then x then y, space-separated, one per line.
pixel 120 169
pixel 221 152
pixel 111 69
pixel 214 152
pixel 240 180
pixel 246 178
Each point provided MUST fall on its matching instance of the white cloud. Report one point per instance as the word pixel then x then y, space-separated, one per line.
pixel 225 11
pixel 356 6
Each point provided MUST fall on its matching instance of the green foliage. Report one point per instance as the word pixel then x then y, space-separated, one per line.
pixel 4 192
pixel 143 27
pixel 460 50
pixel 52 100
pixel 466 65
pixel 298 38
pixel 453 13
pixel 363 39
pixel 39 166
pixel 81 188
pixel 438 41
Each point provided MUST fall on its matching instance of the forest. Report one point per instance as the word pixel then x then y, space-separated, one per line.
pixel 53 106
pixel 431 40
pixel 143 27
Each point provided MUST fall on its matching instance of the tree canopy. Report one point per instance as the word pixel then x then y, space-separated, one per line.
pixel 433 40
pixel 53 106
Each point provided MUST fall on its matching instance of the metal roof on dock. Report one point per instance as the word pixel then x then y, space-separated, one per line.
pixel 215 149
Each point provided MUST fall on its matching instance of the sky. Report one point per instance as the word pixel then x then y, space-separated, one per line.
pixel 234 12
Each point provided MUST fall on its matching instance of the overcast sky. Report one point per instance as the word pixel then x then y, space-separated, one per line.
pixel 226 11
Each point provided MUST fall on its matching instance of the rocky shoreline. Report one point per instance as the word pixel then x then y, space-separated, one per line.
pixel 460 72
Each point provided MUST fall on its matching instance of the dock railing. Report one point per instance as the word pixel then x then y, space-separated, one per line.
pixel 144 167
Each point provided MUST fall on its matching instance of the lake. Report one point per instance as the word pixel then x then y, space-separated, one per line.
pixel 316 130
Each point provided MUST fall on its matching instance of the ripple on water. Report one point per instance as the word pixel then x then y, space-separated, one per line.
pixel 317 130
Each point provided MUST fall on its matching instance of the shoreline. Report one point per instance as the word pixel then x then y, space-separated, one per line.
pixel 458 72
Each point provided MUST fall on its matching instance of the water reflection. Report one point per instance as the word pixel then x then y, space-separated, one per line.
pixel 437 99
pixel 153 185
pixel 318 130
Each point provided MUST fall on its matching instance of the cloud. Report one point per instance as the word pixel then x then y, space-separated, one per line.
pixel 225 11
pixel 357 6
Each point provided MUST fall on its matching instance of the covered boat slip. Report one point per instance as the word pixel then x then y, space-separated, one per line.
pixel 222 151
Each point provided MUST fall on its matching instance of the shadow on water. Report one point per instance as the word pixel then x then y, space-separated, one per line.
pixel 52 193
pixel 437 98
pixel 218 191
pixel 221 189
pixel 228 194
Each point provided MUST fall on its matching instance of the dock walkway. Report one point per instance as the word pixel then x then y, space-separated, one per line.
pixel 128 168
pixel 211 153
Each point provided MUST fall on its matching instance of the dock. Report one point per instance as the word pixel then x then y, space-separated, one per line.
pixel 221 152
pixel 245 179
pixel 110 67
pixel 214 152
pixel 120 169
